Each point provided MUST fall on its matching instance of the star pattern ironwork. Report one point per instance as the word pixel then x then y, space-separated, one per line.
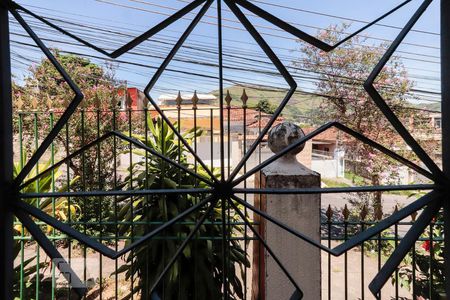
pixel 224 190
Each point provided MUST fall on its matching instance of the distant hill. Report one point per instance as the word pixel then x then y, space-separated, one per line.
pixel 299 108
pixel 429 106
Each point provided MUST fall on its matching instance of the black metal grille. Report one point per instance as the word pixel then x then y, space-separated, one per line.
pixel 223 189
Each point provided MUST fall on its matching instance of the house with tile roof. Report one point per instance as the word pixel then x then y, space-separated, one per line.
pixel 203 111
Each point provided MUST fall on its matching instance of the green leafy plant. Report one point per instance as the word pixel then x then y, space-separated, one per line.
pixel 198 271
pixel 26 273
pixel 429 263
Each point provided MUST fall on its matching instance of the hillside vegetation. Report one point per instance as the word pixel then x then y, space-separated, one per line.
pixel 300 108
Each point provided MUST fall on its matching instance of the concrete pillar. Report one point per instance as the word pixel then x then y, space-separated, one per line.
pixel 301 212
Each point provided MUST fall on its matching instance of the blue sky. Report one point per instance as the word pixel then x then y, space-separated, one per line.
pixel 420 51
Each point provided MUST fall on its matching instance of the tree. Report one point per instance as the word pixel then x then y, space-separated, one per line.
pixel 341 74
pixel 45 89
pixel 265 106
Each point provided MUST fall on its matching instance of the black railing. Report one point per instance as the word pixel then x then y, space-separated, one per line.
pixel 213 195
pixel 419 274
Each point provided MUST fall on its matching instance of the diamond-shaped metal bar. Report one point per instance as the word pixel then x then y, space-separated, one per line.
pixel 130 45
pixel 407 242
pixel 64 117
pixel 160 71
pixel 72 107
pixel 274 256
pixel 423 156
pixel 357 239
pixel 432 199
pixel 280 67
pixel 52 252
pixel 349 131
pixel 92 243
pixel 384 107
pixel 303 35
pixel 78 94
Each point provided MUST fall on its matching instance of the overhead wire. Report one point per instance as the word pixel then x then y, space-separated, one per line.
pixel 213 77
pixel 197 49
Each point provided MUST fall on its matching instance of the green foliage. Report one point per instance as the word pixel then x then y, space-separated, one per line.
pixel 428 263
pixel 265 106
pixel 198 271
pixel 334 183
pixel 60 208
pixel 356 179
pixel 93 119
pixel 342 73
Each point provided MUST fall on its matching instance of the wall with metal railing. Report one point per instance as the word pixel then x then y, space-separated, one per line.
pixel 337 226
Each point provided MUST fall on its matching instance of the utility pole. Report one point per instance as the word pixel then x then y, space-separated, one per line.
pixel 445 89
pixel 6 159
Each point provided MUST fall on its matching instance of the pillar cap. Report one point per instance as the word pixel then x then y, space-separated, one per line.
pixel 284 135
pixel 280 137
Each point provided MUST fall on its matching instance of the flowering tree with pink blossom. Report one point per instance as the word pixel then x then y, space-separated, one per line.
pixel 340 77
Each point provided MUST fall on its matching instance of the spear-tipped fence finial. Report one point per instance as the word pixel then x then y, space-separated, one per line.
pixel 228 99
pixel 34 103
pixel 378 213
pixel 97 102
pixel 19 102
pixel 49 102
pixel 244 99
pixel 346 213
pixel 194 100
pixel 129 101
pixel 179 100
pixel 363 213
pixel 329 213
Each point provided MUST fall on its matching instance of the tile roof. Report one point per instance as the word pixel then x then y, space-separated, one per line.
pixel 252 117
pixel 328 135
pixel 237 114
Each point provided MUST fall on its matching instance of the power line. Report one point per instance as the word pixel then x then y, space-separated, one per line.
pixel 241 29
pixel 365 46
pixel 340 17
pixel 271 74
pixel 197 49
pixel 261 71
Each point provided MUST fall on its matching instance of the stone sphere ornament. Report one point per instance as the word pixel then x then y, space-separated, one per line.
pixel 280 137
pixel 284 135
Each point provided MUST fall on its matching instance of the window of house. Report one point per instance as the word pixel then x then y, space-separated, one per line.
pixel 438 123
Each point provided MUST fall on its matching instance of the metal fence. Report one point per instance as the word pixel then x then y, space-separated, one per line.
pixel 210 196
pixel 65 184
pixel 70 183
pixel 419 276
